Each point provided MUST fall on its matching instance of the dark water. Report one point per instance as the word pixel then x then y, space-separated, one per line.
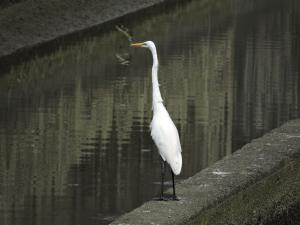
pixel 74 138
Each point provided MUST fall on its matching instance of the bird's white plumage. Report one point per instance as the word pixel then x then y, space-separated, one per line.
pixel 165 135
pixel 163 131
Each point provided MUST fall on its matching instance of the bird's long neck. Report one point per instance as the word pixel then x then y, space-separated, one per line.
pixel 156 96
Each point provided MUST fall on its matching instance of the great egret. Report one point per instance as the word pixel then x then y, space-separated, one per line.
pixel 163 131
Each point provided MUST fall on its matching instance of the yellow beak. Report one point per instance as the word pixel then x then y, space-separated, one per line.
pixel 137 45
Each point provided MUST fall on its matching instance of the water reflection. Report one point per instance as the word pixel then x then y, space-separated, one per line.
pixel 74 138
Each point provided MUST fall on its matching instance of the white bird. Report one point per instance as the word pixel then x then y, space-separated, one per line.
pixel 163 131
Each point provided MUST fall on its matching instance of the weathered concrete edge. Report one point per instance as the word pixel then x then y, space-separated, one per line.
pixel 27 24
pixel 258 178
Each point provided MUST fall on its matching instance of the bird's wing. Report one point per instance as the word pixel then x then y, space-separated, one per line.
pixel 165 135
pixel 166 138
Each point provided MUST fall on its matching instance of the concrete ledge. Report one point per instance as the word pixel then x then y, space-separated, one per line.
pixel 258 184
pixel 28 23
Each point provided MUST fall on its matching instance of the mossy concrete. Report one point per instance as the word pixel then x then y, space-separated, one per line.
pixel 258 184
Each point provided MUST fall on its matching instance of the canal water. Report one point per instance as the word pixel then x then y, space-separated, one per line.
pixel 75 146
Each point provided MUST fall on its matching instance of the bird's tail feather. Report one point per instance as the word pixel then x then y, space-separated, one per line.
pixel 177 164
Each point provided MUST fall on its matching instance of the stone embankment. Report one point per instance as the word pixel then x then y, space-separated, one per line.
pixel 258 184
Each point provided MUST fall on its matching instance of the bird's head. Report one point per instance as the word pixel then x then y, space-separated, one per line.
pixel 146 44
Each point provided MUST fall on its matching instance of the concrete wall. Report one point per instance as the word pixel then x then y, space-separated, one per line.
pixel 28 23
pixel 258 184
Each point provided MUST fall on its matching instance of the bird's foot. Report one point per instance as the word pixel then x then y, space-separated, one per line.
pixel 161 198
pixel 166 198
pixel 175 198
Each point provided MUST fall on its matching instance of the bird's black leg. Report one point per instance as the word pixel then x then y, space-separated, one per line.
pixel 174 194
pixel 163 169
